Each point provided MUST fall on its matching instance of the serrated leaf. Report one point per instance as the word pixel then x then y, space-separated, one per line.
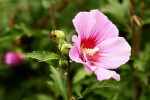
pixel 100 84
pixel 43 56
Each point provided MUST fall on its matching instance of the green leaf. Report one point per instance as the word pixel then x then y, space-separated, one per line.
pixel 39 97
pixel 78 79
pixel 43 56
pixel 143 77
pixel 121 19
pixel 81 74
pixel 20 30
pixel 100 84
pixel 142 62
pixel 115 96
pixel 146 17
pixel 59 82
pixel 113 7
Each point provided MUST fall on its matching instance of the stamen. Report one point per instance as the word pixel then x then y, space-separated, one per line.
pixel 80 52
pixel 91 51
pixel 82 46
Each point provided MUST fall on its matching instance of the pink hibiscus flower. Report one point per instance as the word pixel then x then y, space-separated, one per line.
pixel 98 46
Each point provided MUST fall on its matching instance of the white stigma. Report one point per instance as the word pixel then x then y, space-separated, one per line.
pixel 91 52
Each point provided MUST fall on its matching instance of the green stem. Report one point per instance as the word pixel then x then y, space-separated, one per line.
pixel 68 80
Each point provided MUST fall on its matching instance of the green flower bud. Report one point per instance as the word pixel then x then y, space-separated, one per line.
pixel 57 36
pixel 65 48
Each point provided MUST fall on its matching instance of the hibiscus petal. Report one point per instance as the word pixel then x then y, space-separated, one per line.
pixel 94 24
pixel 74 54
pixel 103 74
pixel 84 22
pixel 76 41
pixel 89 68
pixel 113 53
pixel 103 27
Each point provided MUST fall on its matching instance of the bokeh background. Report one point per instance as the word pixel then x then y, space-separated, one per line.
pixel 25 26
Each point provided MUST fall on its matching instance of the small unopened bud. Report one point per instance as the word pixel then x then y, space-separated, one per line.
pixel 13 58
pixel 57 36
pixel 65 48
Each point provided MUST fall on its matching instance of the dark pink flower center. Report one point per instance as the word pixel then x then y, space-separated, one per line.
pixel 89 51
pixel 88 43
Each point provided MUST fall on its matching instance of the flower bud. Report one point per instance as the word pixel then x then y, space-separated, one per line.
pixel 65 48
pixel 57 36
pixel 13 59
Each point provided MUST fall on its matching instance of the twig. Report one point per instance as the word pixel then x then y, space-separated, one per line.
pixel 68 80
pixel 138 87
pixel 11 21
pixel 13 15
pixel 134 37
pixel 136 47
pixel 41 22
pixel 52 13
pixel 63 4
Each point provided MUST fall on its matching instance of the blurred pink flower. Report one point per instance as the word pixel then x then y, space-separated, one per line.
pixel 98 46
pixel 13 59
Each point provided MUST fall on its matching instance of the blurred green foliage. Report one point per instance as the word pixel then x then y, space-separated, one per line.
pixel 25 26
